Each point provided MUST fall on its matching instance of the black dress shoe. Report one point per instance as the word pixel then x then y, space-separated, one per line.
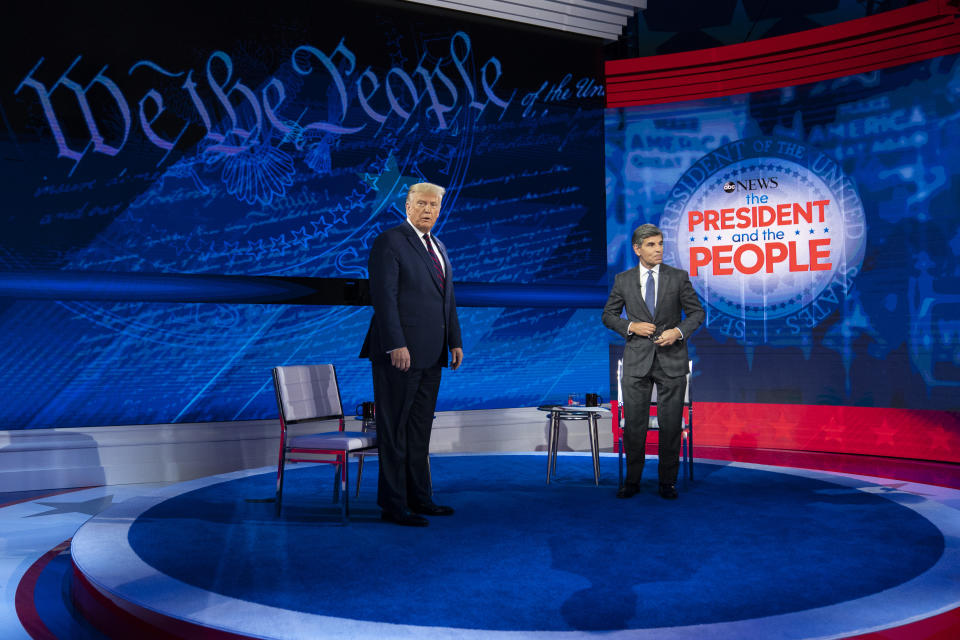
pixel 668 492
pixel 405 518
pixel 432 510
pixel 628 491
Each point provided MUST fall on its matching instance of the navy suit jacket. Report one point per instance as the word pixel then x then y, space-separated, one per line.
pixel 410 309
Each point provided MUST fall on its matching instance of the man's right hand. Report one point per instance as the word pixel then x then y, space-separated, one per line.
pixel 642 329
pixel 400 358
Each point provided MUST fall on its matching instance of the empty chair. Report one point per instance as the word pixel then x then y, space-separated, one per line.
pixel 310 395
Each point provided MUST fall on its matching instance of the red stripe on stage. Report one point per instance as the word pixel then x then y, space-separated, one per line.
pixel 118 618
pixel 24 601
pixel 945 626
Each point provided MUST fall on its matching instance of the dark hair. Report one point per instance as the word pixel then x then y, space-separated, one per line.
pixel 645 231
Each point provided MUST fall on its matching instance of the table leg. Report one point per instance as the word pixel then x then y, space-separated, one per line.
pixel 550 437
pixel 595 447
pixel 556 440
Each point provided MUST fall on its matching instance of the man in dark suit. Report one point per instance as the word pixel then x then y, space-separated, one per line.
pixel 413 327
pixel 654 295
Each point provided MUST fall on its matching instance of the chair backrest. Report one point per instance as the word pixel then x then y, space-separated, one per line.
pixel 307 392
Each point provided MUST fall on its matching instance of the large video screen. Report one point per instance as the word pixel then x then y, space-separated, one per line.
pixel 195 139
pixel 820 227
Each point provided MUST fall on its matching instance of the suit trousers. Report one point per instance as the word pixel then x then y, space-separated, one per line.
pixel 405 403
pixel 636 412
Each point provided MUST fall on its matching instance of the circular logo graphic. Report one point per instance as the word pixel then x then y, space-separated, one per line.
pixel 772 233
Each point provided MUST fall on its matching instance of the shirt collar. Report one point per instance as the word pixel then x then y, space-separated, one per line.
pixel 643 269
pixel 418 232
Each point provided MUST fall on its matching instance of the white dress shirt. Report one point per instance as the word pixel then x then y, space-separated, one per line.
pixel 644 276
pixel 436 249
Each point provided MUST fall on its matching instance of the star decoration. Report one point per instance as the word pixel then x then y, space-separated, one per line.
pixel 304 237
pixel 356 201
pixel 321 228
pixel 896 487
pixel 371 182
pixel 88 507
pixel 339 213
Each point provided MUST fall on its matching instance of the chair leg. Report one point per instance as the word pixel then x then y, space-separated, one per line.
pixel 360 458
pixel 345 486
pixel 336 480
pixel 279 499
pixel 620 462
pixel 684 459
pixel 690 454
pixel 429 474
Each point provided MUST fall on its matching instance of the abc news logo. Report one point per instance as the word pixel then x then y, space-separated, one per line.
pixel 753 184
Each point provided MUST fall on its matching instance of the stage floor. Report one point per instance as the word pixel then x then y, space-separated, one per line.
pixel 748 550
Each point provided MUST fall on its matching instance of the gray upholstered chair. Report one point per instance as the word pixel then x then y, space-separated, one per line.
pixel 308 396
pixel 686 433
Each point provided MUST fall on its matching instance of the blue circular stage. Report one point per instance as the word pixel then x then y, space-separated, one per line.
pixel 745 548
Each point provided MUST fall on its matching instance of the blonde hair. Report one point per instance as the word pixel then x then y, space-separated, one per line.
pixel 427 187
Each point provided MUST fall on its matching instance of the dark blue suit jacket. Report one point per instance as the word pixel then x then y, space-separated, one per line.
pixel 409 307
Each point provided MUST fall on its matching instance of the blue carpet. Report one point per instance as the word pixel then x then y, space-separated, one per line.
pixel 520 555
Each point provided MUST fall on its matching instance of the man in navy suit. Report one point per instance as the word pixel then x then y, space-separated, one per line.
pixel 654 295
pixel 413 327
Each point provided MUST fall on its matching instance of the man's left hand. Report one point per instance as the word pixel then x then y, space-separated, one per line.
pixel 456 357
pixel 667 338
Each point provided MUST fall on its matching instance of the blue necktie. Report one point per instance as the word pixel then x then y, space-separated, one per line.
pixel 651 296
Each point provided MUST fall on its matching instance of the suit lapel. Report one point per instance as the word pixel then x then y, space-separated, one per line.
pixel 637 293
pixel 662 285
pixel 417 243
pixel 447 270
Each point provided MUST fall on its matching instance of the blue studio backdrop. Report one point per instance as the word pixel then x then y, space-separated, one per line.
pixel 265 146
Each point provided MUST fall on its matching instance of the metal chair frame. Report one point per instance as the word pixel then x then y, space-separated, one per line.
pixel 368 424
pixel 340 452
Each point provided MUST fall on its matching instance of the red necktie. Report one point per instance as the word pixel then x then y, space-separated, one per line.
pixel 435 258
